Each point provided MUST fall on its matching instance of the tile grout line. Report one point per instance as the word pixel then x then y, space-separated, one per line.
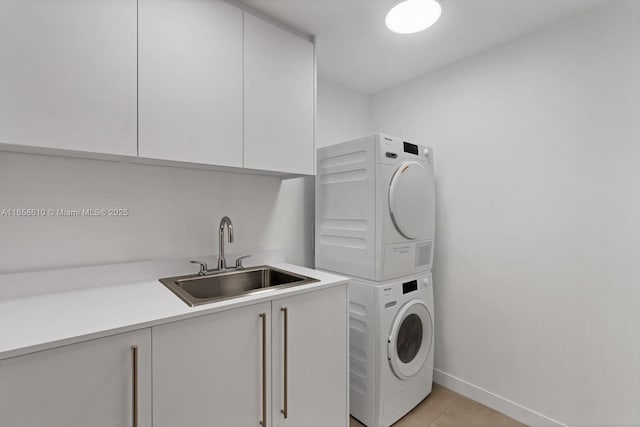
pixel 446 408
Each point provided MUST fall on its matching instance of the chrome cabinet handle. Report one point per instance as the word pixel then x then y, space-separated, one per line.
pixel 134 354
pixel 263 423
pixel 285 410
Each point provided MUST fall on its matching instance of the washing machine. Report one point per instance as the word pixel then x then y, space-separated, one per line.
pixel 375 208
pixel 391 330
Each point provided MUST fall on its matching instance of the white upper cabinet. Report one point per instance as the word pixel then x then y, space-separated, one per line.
pixel 190 81
pixel 278 99
pixel 197 81
pixel 68 75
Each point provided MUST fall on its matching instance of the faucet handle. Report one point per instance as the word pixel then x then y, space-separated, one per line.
pixel 203 267
pixel 239 261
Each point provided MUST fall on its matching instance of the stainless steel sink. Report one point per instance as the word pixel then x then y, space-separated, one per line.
pixel 197 290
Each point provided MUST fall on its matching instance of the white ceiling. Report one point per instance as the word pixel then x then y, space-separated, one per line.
pixel 356 49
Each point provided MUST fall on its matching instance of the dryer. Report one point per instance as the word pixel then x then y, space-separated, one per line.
pixel 375 208
pixel 391 330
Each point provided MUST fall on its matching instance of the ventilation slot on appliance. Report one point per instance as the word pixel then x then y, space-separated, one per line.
pixel 344 159
pixel 346 176
pixel 357 309
pixel 357 325
pixel 423 253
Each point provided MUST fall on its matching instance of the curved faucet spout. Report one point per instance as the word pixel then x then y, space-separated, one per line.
pixel 226 221
pixel 222 263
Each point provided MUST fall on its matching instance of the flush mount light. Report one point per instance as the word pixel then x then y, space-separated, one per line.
pixel 411 16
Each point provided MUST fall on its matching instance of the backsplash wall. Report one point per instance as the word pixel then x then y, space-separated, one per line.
pixel 172 211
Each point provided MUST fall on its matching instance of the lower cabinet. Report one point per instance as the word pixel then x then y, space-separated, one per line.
pixel 309 354
pixel 276 363
pixel 208 371
pixel 90 384
pixel 225 370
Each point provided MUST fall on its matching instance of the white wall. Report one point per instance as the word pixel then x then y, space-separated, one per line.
pixel 537 277
pixel 343 113
pixel 174 212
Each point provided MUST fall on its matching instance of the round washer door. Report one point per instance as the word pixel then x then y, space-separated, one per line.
pixel 412 200
pixel 410 339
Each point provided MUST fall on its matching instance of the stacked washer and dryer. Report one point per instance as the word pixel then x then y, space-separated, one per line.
pixel 375 222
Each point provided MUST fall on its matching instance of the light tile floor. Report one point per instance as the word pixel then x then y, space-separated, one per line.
pixel 445 408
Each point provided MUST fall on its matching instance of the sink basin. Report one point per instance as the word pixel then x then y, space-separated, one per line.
pixel 198 290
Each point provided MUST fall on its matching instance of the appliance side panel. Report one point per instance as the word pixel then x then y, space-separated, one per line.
pixel 345 208
pixel 362 347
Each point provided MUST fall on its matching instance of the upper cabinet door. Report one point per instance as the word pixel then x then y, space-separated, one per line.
pixel 278 99
pixel 68 74
pixel 190 81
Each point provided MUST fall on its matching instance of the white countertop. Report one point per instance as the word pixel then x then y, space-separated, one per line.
pixel 45 321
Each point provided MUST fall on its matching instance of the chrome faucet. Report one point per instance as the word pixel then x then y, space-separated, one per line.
pixel 203 267
pixel 222 263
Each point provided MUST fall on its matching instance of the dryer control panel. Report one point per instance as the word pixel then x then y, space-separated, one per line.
pixel 411 148
pixel 392 149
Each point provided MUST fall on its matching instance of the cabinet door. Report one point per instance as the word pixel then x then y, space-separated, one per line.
pixel 68 74
pixel 208 371
pixel 315 366
pixel 81 385
pixel 278 99
pixel 191 81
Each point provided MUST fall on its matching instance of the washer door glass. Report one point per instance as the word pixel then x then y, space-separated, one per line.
pixel 410 339
pixel 411 200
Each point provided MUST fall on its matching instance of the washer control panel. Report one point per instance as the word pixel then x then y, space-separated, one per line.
pixel 410 286
pixel 403 290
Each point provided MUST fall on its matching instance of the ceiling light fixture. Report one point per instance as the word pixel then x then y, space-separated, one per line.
pixel 412 16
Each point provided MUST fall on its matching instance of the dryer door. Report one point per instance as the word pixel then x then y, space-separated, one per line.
pixel 412 200
pixel 410 339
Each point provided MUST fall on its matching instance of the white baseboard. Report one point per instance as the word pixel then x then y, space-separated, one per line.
pixel 493 401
